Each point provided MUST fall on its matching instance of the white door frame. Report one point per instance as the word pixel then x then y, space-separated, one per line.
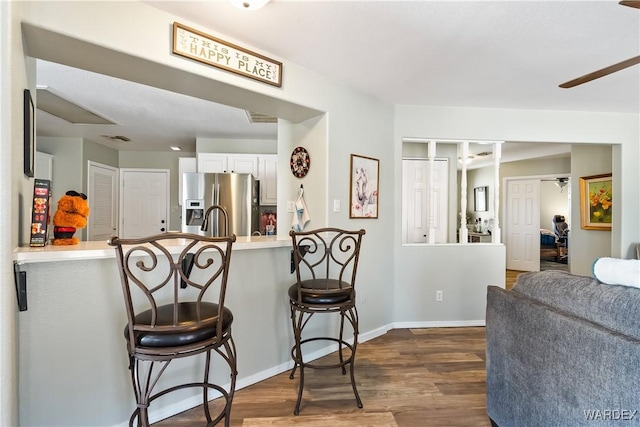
pixel 121 193
pixel 505 197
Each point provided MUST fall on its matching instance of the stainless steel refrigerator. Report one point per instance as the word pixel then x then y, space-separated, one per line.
pixel 237 193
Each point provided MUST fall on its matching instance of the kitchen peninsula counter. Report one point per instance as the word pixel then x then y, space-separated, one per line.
pixel 101 250
pixel 70 336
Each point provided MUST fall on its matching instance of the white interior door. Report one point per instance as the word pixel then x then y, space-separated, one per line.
pixel 417 197
pixel 102 195
pixel 522 213
pixel 144 203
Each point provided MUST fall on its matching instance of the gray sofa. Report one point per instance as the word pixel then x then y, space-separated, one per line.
pixel 563 350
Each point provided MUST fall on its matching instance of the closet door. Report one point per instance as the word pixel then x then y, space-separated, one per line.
pixel 102 195
pixel 424 202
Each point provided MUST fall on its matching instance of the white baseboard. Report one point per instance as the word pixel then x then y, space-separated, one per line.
pixel 439 324
pixel 159 414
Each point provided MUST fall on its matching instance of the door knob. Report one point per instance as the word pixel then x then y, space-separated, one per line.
pixel 162 229
pixel 162 221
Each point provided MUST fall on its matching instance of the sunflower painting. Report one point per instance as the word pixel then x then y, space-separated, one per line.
pixel 596 202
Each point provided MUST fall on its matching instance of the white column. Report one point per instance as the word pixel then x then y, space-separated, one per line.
pixel 8 303
pixel 497 154
pixel 464 231
pixel 431 238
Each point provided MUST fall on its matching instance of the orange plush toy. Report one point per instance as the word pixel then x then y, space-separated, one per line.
pixel 72 213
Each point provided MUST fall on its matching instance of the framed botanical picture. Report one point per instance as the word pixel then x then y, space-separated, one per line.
pixel 364 187
pixel 596 202
pixel 29 134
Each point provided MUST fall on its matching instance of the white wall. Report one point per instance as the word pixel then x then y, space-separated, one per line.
pixel 483 177
pixel 17 74
pixel 461 271
pixel 225 145
pixel 67 171
pixel 12 188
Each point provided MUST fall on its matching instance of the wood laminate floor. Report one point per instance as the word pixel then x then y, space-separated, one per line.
pixel 406 378
pixel 511 275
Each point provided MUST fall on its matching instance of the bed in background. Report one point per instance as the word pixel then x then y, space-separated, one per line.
pixel 550 247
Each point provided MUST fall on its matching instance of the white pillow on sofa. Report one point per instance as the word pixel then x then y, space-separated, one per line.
pixel 615 271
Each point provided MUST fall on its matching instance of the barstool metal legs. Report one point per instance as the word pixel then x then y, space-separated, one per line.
pixel 230 357
pixel 144 380
pixel 353 319
pixel 299 321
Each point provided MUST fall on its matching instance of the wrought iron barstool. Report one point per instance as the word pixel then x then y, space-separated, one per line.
pixel 325 262
pixel 174 293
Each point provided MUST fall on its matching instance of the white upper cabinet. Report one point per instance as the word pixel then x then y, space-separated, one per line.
pixel 212 163
pixel 268 175
pixel 263 166
pixel 241 163
pixel 221 163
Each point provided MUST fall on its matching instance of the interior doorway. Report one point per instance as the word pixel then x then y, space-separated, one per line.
pixel 529 208
pixel 522 224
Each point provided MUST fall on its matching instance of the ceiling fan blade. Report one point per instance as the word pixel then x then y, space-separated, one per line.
pixel 631 3
pixel 601 73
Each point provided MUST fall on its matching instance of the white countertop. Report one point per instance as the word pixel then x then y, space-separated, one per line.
pixel 101 250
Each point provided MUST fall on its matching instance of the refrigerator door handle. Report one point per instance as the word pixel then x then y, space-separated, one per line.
pixel 216 201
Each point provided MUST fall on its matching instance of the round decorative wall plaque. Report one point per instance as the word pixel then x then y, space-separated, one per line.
pixel 300 162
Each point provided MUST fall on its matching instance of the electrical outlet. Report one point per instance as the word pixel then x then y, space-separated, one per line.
pixel 439 296
pixel 291 206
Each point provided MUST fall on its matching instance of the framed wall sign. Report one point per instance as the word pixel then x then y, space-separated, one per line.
pixel 212 51
pixel 29 134
pixel 364 187
pixel 596 195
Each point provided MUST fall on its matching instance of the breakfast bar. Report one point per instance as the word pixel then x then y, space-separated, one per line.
pixel 73 359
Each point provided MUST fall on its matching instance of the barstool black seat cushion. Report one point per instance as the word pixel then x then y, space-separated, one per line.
pixel 321 291
pixel 186 334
